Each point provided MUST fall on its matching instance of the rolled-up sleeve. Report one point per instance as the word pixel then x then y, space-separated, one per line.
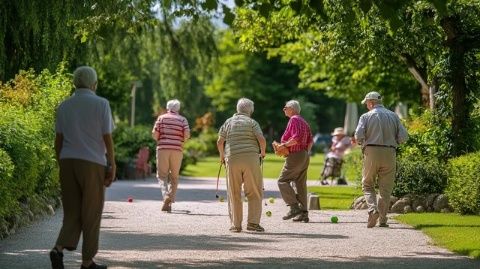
pixel 402 134
pixel 360 131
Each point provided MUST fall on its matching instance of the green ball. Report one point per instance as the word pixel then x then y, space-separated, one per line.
pixel 334 219
pixel 271 200
pixel 221 199
pixel 268 213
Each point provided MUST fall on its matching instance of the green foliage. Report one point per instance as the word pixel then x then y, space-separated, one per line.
pixel 26 134
pixel 128 141
pixel 8 203
pixel 336 198
pixel 429 136
pixel 463 190
pixel 353 165
pixel 417 175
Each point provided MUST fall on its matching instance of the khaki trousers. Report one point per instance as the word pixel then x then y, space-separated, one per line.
pixel 83 195
pixel 168 169
pixel 244 169
pixel 295 170
pixel 379 166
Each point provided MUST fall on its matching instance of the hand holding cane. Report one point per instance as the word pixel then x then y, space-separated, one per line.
pixel 218 179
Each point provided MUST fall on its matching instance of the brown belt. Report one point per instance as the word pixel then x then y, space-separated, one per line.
pixel 376 145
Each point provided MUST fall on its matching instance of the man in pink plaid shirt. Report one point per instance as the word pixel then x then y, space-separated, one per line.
pixel 298 139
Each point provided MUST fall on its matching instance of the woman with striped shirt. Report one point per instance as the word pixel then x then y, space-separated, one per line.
pixel 170 131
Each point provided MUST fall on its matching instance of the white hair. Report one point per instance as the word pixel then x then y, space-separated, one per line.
pixel 295 105
pixel 245 106
pixel 84 77
pixel 173 105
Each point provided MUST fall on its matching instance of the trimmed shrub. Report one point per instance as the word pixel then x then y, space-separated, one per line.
pixel 463 190
pixel 417 175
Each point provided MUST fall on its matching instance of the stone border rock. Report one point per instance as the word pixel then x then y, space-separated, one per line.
pixel 434 202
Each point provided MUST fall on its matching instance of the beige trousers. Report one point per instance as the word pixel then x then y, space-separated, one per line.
pixel 83 195
pixel 379 166
pixel 244 170
pixel 168 169
pixel 295 170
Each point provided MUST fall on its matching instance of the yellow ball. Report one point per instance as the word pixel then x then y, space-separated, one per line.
pixel 221 199
pixel 268 213
pixel 271 200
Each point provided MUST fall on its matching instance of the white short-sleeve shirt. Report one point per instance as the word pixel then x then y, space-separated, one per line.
pixel 83 119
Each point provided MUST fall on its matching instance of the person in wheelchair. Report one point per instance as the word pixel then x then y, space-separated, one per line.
pixel 334 159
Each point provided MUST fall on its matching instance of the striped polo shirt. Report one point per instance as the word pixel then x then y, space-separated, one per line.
pixel 299 130
pixel 240 134
pixel 171 128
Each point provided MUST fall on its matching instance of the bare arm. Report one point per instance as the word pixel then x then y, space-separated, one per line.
pixel 221 148
pixel 58 145
pixel 263 144
pixel 107 138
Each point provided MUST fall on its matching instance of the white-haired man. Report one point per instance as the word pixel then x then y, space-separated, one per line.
pixel 379 132
pixel 84 151
pixel 298 139
pixel 240 144
pixel 170 131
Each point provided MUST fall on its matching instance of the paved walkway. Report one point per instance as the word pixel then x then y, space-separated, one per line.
pixel 195 235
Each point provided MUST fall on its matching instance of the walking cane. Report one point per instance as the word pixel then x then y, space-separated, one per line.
pixel 218 179
pixel 263 183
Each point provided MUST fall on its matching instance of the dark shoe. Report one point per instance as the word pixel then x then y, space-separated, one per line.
pixel 234 229
pixel 372 219
pixel 383 225
pixel 56 257
pixel 324 182
pixel 255 227
pixel 94 266
pixel 294 211
pixel 167 205
pixel 302 217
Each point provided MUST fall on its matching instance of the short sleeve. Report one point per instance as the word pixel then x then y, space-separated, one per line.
pixel 108 125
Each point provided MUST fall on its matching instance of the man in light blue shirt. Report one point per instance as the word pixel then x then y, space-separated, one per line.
pixel 84 151
pixel 379 132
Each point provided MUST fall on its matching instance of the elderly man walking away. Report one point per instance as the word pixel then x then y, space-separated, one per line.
pixel 379 132
pixel 241 146
pixel 170 131
pixel 298 139
pixel 84 151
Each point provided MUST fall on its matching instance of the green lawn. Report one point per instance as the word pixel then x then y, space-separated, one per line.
pixel 460 234
pixel 336 198
pixel 208 167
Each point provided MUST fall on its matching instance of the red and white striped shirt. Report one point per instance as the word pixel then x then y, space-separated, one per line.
pixel 171 128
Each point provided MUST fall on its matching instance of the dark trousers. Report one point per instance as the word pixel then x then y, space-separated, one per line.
pixel 83 195
pixel 295 170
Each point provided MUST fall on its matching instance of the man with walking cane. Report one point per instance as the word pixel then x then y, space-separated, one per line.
pixel 240 143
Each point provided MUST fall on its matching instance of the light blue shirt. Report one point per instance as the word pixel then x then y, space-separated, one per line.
pixel 83 119
pixel 380 126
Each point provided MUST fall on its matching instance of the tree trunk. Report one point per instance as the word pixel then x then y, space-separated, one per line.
pixel 420 75
pixel 461 108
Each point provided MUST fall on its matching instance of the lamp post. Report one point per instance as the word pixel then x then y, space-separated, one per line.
pixel 135 85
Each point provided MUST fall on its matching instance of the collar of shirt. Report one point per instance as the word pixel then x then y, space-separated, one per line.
pixel 240 114
pixel 172 112
pixel 84 91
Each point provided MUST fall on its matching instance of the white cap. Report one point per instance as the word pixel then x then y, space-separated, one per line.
pixel 372 96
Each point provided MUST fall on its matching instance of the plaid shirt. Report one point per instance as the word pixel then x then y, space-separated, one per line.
pixel 299 130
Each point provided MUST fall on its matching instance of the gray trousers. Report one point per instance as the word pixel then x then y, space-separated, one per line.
pixel 83 195
pixel 379 166
pixel 295 170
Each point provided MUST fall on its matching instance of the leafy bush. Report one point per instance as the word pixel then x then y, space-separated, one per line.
pixel 128 140
pixel 28 104
pixel 463 190
pixel 7 203
pixel 353 165
pixel 417 175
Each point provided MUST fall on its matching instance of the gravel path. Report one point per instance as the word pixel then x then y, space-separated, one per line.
pixel 195 234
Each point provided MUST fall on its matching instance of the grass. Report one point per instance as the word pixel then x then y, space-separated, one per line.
pixel 460 234
pixel 336 198
pixel 208 167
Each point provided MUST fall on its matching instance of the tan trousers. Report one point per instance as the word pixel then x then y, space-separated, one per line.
pixel 168 169
pixel 244 169
pixel 295 170
pixel 83 195
pixel 381 162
